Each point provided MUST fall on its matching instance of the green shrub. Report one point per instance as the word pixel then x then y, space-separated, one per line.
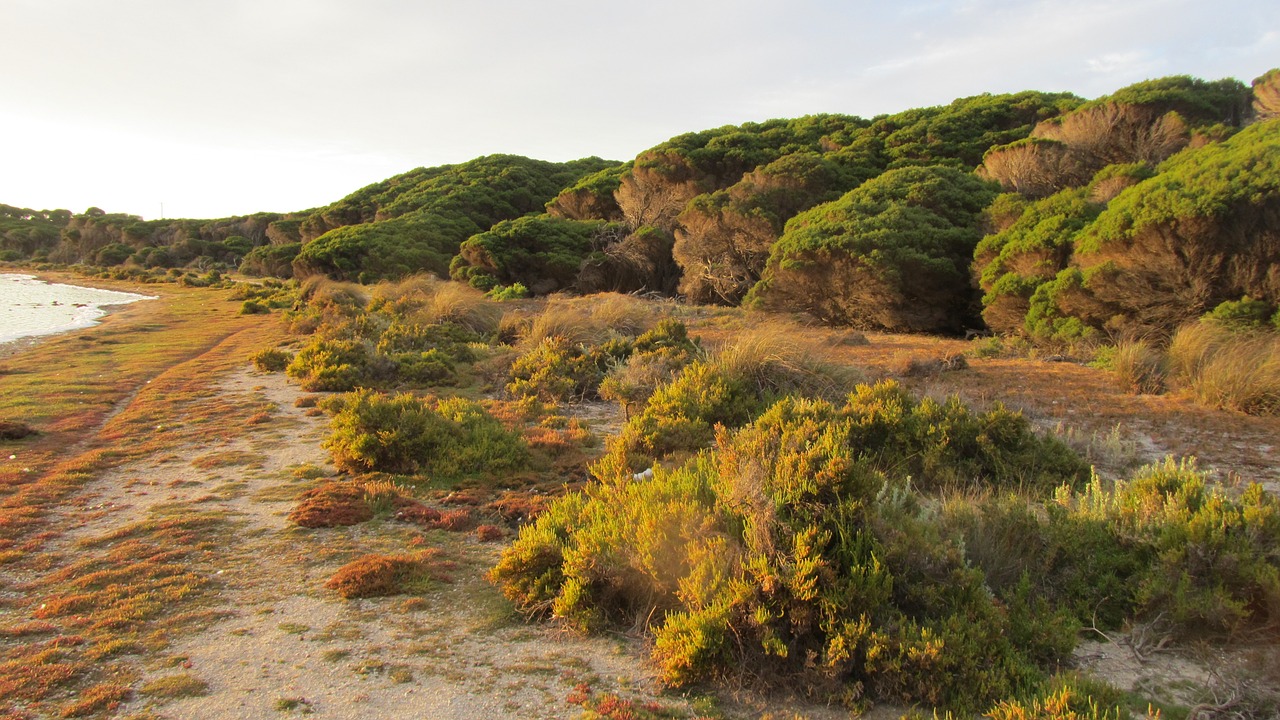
pixel 431 367
pixel 1215 561
pixel 944 445
pixel 1245 313
pixel 681 416
pixel 657 356
pixel 792 548
pixel 272 359
pixel 1069 698
pixel 403 335
pixel 331 365
pixel 253 307
pixel 1053 569
pixel 502 293
pixel 403 434
pixel 553 371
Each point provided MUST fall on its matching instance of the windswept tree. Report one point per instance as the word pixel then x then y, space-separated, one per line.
pixel 1146 122
pixel 592 197
pixel 723 238
pixel 541 252
pixel 1013 263
pixel 892 254
pixel 1035 167
pixel 1203 231
pixel 1111 133
pixel 415 222
pixel 1266 95
pixel 638 261
pixel 665 178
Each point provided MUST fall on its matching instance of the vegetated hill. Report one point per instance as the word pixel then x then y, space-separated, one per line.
pixel 415 222
pixel 817 214
pixel 96 237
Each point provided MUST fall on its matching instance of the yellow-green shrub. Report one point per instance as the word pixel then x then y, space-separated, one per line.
pixel 331 365
pixel 554 370
pixel 404 434
pixel 271 359
pixel 794 547
pixel 1214 561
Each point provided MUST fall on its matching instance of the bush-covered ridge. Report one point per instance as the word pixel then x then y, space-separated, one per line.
pixel 1101 198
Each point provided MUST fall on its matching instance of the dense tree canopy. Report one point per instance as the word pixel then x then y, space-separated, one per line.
pixel 25 232
pixel 892 254
pixel 417 221
pixel 1204 230
pixel 541 252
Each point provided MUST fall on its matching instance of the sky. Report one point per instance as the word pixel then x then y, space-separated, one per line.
pixel 212 108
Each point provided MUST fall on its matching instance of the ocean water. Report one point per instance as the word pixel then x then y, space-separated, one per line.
pixel 31 307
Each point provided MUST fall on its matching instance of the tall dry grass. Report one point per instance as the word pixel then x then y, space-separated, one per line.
pixel 773 357
pixel 1138 367
pixel 319 290
pixel 1227 368
pixel 464 305
pixel 590 320
pixel 409 293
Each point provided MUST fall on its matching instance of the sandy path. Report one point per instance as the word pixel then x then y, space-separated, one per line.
pixel 285 644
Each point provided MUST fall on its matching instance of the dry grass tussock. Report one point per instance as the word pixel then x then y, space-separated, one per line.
pixel 461 304
pixel 410 292
pixel 590 320
pixel 776 359
pixel 428 300
pixel 319 290
pixel 1139 368
pixel 1226 368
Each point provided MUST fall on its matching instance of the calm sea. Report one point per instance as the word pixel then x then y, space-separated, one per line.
pixel 33 307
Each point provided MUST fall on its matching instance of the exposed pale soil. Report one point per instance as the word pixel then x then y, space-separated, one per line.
pixel 280 638
pixel 458 653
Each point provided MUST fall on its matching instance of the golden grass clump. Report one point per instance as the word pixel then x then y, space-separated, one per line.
pixel 625 314
pixel 319 290
pixel 590 320
pixel 1138 368
pixel 1227 368
pixel 566 320
pixel 463 305
pixel 774 358
pixel 406 294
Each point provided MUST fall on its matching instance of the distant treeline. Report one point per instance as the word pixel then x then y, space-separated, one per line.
pixel 1032 213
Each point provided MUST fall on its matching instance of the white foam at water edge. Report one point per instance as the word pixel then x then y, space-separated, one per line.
pixel 30 306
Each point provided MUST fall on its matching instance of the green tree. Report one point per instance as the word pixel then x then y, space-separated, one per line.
pixel 893 253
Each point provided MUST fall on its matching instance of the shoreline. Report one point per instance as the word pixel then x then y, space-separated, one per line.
pixel 18 345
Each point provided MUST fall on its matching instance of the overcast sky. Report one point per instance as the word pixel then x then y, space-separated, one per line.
pixel 221 107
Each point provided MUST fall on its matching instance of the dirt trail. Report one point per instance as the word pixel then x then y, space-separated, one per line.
pixel 287 644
